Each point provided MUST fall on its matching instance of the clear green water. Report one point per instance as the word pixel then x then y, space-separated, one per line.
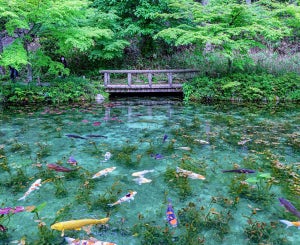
pixel 222 209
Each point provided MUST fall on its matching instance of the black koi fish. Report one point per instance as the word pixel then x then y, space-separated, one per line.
pixel 75 136
pixel 240 171
pixel 96 136
pixel 289 207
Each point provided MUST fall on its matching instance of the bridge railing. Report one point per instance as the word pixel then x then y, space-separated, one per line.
pixel 148 73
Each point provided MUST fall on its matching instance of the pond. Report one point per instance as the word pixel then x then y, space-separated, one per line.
pixel 184 150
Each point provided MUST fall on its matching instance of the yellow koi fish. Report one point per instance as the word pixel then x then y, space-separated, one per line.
pixel 127 198
pixel 34 186
pixel 189 174
pixel 290 223
pixel 103 172
pixel 77 224
pixel 91 241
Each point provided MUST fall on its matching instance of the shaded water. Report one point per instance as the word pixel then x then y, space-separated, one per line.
pixel 206 139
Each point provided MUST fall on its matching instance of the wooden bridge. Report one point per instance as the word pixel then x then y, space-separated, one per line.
pixel 146 81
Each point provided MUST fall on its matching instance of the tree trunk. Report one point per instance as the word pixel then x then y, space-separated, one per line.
pixel 29 73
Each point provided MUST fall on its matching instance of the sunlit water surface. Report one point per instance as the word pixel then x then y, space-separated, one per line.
pixel 206 139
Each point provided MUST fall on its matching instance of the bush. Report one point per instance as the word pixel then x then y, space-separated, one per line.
pixel 246 87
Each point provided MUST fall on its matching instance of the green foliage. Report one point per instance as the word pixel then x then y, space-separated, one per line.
pixel 14 55
pixel 228 27
pixel 248 87
pixel 60 91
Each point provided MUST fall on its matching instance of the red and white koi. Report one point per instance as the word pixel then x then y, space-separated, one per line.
pixel 103 172
pixel 127 198
pixel 34 186
pixel 189 174
pixel 91 241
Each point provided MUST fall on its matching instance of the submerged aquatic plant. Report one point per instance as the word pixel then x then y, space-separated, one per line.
pixel 264 183
pixel 180 184
pixel 152 233
pixel 17 181
pixel 197 220
pixel 265 233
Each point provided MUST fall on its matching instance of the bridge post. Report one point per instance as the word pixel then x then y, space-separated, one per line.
pixel 129 79
pixel 170 79
pixel 106 78
pixel 150 79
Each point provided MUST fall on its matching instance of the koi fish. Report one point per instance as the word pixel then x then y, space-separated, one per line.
pixel 290 223
pixel 59 168
pixel 14 210
pixel 96 136
pixel 34 186
pixel 189 174
pixel 240 171
pixel 103 172
pixel 185 148
pixel 77 224
pixel 289 207
pixel 75 136
pixel 203 142
pixel 91 241
pixel 142 173
pixel 72 161
pixel 157 156
pixel 171 217
pixel 127 198
pixel 142 180
pixel 3 228
pixel 243 141
pixel 165 138
pixel 107 156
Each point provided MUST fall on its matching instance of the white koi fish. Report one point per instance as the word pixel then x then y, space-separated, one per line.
pixel 127 198
pixel 142 180
pixel 189 174
pixel 91 241
pixel 141 173
pixel 203 142
pixel 107 156
pixel 34 186
pixel 185 148
pixel 103 172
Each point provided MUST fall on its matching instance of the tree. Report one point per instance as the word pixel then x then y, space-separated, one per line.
pixel 43 30
pixel 230 27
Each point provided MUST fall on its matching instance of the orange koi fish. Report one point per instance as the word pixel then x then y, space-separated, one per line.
pixel 103 172
pixel 290 223
pixel 189 174
pixel 34 186
pixel 127 198
pixel 91 241
pixel 171 217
